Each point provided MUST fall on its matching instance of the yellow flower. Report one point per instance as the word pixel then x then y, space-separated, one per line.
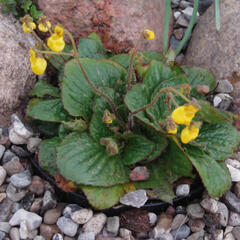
pixel 184 114
pixel 38 64
pixel 56 42
pixel 148 34
pixel 28 27
pixel 189 133
pixel 108 117
pixel 44 27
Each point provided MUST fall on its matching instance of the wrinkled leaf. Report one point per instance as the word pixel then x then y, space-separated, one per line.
pixel 136 149
pixel 47 155
pixel 214 174
pixel 77 95
pixel 43 88
pixel 82 160
pixel 47 110
pixel 219 139
pixel 77 125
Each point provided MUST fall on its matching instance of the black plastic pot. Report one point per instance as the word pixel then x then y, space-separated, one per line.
pixel 151 205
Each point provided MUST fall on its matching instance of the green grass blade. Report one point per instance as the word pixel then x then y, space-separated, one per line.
pixel 166 25
pixel 217 13
pixel 190 27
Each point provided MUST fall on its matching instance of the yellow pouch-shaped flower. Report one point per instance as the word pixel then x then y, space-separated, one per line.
pixel 28 27
pixel 172 129
pixel 44 27
pixel 184 114
pixel 38 64
pixel 56 42
pixel 148 34
pixel 189 133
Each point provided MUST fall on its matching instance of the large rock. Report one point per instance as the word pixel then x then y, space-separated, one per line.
pixel 213 50
pixel 118 22
pixel 16 77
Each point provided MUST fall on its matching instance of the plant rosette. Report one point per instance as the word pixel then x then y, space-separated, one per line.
pixel 111 114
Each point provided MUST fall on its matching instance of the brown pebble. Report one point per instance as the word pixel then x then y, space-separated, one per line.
pixel 37 186
pixel 139 174
pixel 170 211
pixel 2 196
pixel 178 33
pixel 47 231
pixel 13 167
pixel 51 216
pixel 36 205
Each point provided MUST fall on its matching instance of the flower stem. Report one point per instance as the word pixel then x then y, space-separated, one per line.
pixel 167 89
pixel 132 53
pixel 75 52
pixel 55 53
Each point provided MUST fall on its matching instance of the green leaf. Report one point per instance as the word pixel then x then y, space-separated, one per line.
pixel 63 132
pixel 159 140
pixel 136 149
pixel 219 139
pixel 171 165
pixel 47 155
pixel 47 110
pixel 136 98
pixel 122 59
pixel 103 197
pixel 34 12
pixel 26 5
pixel 214 174
pixel 164 192
pixel 149 56
pixel 77 95
pixel 95 37
pixel 91 48
pixel 98 129
pixel 161 109
pixel 42 88
pixel 199 76
pixel 157 73
pixel 82 160
pixel 208 113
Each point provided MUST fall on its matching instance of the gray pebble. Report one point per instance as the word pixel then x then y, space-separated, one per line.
pixel 15 138
pixel 178 220
pixel 49 201
pixel 2 235
pixel 15 194
pixel 21 128
pixel 113 224
pixel 183 190
pixel 222 101
pixel 8 156
pixel 232 201
pixel 224 86
pixel 23 230
pixel 33 144
pixel 5 209
pixel 67 226
pixel 152 218
pixel 14 234
pixel 182 232
pixel 234 219
pixel 223 213
pixel 135 199
pixel 33 220
pixel 183 4
pixel 19 151
pixel 236 232
pixel 82 216
pixel 2 150
pixel 70 209
pixel 38 237
pixel 182 21
pixel 5 227
pixel 195 211
pixel 21 180
pixel 209 204
pixel 86 236
pixel 3 175
pixel 196 235
pixel 188 12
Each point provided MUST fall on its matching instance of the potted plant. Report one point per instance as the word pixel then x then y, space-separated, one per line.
pixel 124 122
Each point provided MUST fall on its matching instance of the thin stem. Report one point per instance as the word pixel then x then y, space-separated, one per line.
pixel 45 46
pixel 133 52
pixel 189 29
pixel 166 25
pixel 173 100
pixel 217 13
pixel 75 52
pixel 173 89
pixel 55 53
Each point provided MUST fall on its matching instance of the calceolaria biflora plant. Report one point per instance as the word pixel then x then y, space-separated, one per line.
pixel 111 115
